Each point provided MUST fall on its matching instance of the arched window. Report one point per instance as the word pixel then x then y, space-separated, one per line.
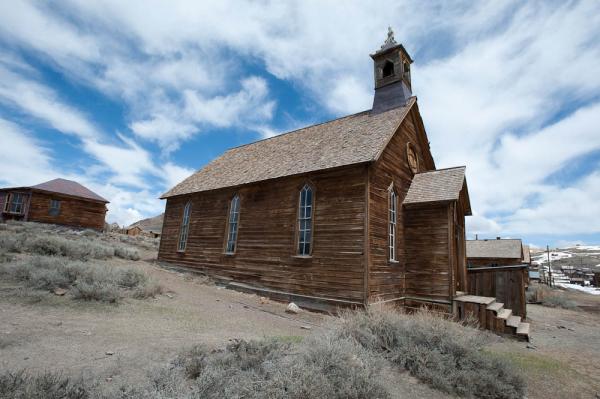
pixel 388 69
pixel 305 216
pixel 232 230
pixel 185 225
pixel 392 224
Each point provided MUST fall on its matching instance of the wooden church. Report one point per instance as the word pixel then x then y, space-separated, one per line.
pixel 350 212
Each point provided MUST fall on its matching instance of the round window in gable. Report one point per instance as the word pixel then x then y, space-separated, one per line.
pixel 413 161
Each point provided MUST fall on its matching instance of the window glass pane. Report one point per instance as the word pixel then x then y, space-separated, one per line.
pixel 308 196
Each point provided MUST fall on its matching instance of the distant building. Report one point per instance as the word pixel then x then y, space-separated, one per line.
pixel 495 252
pixel 57 201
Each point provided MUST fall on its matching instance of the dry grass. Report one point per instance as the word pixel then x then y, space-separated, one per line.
pixel 551 297
pixel 344 362
pixel 443 354
pixel 55 257
pixel 41 239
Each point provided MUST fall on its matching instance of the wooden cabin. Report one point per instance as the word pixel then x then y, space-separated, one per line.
pixel 133 230
pixel 494 252
pixel 349 212
pixel 57 201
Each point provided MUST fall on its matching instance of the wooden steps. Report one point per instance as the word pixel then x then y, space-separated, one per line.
pixel 491 315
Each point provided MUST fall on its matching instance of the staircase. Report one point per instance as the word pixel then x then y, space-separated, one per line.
pixel 491 315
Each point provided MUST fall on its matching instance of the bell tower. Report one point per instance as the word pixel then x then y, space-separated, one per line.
pixel 391 65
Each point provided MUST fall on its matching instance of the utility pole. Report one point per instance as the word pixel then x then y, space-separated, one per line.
pixel 549 266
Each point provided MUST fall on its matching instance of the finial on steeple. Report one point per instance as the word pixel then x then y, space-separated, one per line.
pixel 390 41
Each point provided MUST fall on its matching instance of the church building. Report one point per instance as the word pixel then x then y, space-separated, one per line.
pixel 346 213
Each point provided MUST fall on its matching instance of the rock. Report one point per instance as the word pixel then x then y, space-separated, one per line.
pixel 109 353
pixel 60 291
pixel 263 300
pixel 169 296
pixel 306 327
pixel 292 308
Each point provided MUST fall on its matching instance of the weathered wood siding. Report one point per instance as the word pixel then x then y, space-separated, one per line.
pixel 506 284
pixel 266 244
pixel 428 262
pixel 385 278
pixel 489 262
pixel 73 211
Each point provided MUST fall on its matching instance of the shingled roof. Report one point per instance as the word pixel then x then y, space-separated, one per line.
pixel 68 187
pixel 499 248
pixel 440 185
pixel 345 141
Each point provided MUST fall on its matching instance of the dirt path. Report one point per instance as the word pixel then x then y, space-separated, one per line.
pixel 61 334
pixel 563 358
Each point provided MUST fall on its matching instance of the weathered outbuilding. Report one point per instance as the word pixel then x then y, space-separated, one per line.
pixel 57 201
pixel 348 212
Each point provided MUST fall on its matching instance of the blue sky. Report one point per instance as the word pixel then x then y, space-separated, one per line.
pixel 131 97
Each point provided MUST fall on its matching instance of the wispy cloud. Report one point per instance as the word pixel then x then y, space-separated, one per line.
pixel 507 88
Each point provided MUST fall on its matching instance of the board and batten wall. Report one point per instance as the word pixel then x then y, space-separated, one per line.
pixel 266 250
pixel 386 279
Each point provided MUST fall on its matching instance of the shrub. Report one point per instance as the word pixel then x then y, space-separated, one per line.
pixel 551 297
pixel 131 278
pixel 96 291
pixel 439 352
pixel 20 385
pixel 149 290
pixel 127 253
pixel 558 300
pixel 11 242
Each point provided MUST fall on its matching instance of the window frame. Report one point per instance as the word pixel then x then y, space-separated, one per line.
pixel 8 205
pixel 231 212
pixel 301 216
pixel 54 211
pixel 184 228
pixel 392 225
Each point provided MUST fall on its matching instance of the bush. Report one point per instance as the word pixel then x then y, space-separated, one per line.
pixel 89 281
pixel 439 352
pixel 149 290
pixel 558 300
pixel 20 385
pixel 551 297
pixel 127 253
pixel 96 291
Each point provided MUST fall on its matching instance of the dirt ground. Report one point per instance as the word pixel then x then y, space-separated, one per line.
pixel 125 341
pixel 562 359
pixel 121 344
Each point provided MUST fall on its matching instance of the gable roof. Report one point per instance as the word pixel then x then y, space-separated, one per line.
pixel 440 185
pixel 499 248
pixel 68 187
pixel 353 139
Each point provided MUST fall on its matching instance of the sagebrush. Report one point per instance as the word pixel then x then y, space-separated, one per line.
pixel 84 280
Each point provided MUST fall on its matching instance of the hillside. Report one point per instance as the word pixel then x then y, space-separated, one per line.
pixel 150 224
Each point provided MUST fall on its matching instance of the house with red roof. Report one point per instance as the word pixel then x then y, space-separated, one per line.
pixel 57 201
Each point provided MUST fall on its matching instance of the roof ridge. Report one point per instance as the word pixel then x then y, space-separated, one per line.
pixel 298 130
pixel 442 169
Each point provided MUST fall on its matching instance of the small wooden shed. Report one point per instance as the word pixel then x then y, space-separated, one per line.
pixel 57 201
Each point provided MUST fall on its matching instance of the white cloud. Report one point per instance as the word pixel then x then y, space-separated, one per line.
pixel 497 82
pixel 174 174
pixel 24 160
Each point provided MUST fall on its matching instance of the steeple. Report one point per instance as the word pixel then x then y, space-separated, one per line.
pixel 391 64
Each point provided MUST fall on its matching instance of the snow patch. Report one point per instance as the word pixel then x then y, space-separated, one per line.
pixel 587 290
